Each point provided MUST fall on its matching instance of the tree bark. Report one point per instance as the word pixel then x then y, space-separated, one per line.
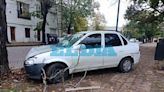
pixel 69 28
pixel 44 29
pixel 4 67
pixel 70 24
pixel 7 41
pixel 45 6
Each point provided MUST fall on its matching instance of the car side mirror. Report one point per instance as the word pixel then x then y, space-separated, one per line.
pixel 79 47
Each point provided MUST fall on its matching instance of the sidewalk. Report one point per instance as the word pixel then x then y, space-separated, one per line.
pixel 148 44
pixel 17 44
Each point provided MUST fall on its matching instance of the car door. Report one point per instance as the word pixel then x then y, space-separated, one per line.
pixel 91 55
pixel 113 50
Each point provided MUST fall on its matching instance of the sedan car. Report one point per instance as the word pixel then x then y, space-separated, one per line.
pixel 83 51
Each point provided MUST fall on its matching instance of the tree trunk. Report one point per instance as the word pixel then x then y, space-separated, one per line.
pixel 69 28
pixel 7 41
pixel 44 11
pixel 70 23
pixel 4 67
pixel 44 29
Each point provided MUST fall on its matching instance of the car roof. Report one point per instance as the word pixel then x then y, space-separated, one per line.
pixel 99 32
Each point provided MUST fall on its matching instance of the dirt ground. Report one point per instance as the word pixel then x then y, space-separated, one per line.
pixel 145 77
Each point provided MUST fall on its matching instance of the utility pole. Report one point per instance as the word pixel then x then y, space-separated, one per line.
pixel 118 11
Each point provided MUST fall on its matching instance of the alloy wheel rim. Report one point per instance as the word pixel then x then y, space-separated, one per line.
pixel 127 65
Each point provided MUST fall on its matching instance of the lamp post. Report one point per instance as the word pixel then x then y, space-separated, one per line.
pixel 118 11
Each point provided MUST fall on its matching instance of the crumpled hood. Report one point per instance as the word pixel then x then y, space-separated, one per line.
pixel 41 49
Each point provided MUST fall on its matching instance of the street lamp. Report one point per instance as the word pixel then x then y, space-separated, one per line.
pixel 118 11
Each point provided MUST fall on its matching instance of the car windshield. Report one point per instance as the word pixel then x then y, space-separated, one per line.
pixel 68 41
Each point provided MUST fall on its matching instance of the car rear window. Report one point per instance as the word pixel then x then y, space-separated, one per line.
pixel 112 40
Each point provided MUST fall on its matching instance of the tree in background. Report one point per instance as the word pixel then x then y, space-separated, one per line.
pixel 73 11
pixel 96 20
pixel 4 67
pixel 99 21
pixel 138 30
pixel 80 24
pixel 46 5
pixel 147 16
pixel 73 14
pixel 131 30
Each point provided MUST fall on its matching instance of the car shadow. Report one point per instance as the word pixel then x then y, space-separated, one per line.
pixel 76 76
pixel 97 72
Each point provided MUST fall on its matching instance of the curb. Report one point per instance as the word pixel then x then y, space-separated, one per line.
pixel 22 45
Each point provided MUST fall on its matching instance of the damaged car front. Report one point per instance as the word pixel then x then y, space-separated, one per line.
pixel 38 57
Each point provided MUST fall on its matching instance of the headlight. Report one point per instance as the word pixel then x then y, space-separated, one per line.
pixel 30 61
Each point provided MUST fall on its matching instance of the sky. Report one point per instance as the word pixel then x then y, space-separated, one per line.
pixel 109 9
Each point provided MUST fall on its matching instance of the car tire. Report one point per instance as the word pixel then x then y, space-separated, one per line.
pixel 52 70
pixel 125 65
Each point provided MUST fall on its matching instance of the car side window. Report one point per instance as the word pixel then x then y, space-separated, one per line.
pixel 125 42
pixel 112 40
pixel 92 41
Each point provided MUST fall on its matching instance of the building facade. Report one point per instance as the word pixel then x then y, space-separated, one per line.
pixel 21 25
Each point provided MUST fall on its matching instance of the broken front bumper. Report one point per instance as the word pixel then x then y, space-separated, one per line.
pixel 34 71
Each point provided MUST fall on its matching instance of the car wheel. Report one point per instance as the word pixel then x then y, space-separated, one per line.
pixel 53 70
pixel 125 65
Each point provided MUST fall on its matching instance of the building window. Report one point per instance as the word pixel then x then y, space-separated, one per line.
pixel 27 32
pixel 38 7
pixel 23 10
pixel 12 32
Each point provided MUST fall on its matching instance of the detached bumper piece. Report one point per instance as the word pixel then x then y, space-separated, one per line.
pixel 34 71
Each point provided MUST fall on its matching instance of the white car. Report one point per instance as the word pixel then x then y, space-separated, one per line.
pixel 134 40
pixel 82 51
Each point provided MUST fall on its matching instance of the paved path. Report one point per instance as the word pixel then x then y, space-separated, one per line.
pixel 20 44
pixel 16 56
pixel 148 44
